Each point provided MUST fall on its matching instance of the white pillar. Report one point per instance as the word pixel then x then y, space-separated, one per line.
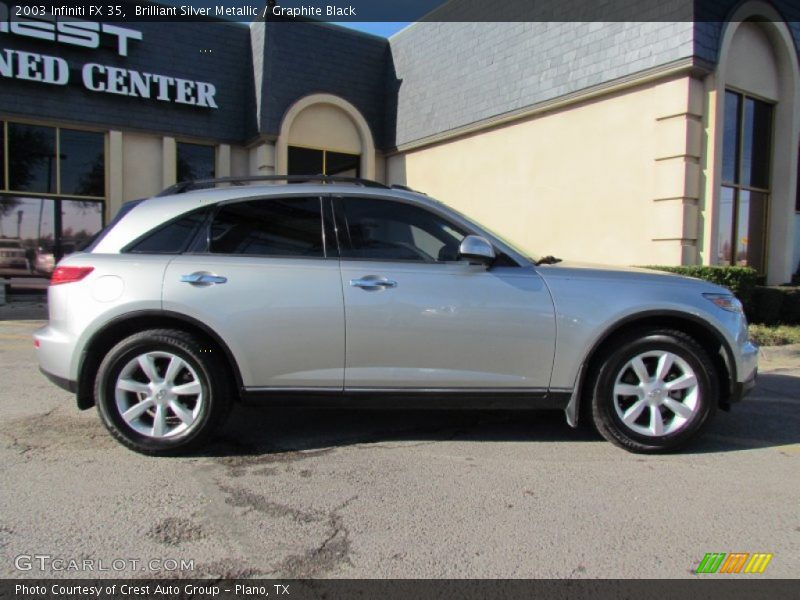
pixel 170 165
pixel 114 179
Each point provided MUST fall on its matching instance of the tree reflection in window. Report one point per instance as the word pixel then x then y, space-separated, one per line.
pixel 32 158
pixel 742 210
pixel 195 161
pixel 54 182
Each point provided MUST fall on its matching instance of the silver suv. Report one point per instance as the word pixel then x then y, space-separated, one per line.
pixel 335 292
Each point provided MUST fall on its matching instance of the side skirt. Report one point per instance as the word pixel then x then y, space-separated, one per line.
pixel 434 399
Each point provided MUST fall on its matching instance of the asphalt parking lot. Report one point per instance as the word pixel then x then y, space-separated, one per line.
pixel 394 494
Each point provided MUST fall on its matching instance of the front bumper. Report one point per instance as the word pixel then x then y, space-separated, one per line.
pixel 748 361
pixel 742 388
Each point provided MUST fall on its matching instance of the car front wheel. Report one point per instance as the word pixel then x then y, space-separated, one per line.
pixel 654 391
pixel 158 393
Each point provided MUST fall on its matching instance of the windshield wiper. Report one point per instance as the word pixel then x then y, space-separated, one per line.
pixel 548 260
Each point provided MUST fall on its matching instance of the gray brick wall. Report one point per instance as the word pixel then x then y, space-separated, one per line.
pixel 448 75
pixel 453 74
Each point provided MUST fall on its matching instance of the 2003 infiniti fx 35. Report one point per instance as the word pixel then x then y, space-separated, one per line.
pixel 313 293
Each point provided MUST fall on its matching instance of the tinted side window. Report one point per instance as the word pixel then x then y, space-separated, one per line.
pixel 271 227
pixel 172 238
pixel 388 230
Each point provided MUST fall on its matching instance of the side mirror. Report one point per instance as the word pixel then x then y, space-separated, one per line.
pixel 477 250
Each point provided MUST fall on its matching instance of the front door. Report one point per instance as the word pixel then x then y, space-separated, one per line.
pixel 417 317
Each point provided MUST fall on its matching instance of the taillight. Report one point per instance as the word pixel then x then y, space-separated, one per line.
pixel 69 274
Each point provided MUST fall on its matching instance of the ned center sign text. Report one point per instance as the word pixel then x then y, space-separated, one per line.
pixel 95 77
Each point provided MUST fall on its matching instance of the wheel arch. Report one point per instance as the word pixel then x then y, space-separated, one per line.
pixel 121 327
pixel 709 338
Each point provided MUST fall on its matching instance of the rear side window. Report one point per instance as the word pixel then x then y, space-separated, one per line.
pixel 172 238
pixel 92 242
pixel 271 227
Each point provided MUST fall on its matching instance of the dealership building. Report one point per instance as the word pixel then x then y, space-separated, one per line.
pixel 630 142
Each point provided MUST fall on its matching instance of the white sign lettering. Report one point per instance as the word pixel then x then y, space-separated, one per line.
pixel 75 32
pixel 16 64
pixel 127 82
pixel 54 70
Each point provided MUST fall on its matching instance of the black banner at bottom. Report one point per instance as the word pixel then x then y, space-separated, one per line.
pixel 400 589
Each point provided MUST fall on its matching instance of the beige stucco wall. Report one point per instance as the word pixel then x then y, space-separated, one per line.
pixel 614 179
pixel 327 127
pixel 325 122
pixel 753 66
pixel 142 165
pixel 262 159
pixel 240 161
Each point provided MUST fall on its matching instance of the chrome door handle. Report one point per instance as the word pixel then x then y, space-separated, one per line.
pixel 371 282
pixel 201 278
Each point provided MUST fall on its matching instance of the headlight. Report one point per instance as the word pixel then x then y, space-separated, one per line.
pixel 727 302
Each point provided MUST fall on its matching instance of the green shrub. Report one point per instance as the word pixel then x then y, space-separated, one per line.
pixel 739 280
pixel 775 305
pixel 766 306
pixel 790 309
pixel 775 335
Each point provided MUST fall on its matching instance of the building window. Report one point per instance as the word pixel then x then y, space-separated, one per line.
pixel 747 143
pixel 195 161
pixel 797 199
pixel 313 161
pixel 52 188
pixel 82 165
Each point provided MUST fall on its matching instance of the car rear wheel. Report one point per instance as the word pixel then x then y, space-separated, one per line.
pixel 654 391
pixel 158 392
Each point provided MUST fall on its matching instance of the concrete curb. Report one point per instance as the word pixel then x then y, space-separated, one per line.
pixel 780 353
pixel 26 310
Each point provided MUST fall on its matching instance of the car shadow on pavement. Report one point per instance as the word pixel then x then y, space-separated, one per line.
pixel 769 417
pixel 261 430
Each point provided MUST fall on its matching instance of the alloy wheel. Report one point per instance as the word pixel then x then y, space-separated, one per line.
pixel 159 395
pixel 656 393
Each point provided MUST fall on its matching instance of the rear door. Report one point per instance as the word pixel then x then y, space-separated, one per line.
pixel 266 282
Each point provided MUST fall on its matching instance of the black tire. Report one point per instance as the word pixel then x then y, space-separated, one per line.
pixel 604 407
pixel 202 366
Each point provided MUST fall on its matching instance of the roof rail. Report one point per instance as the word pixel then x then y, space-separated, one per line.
pixel 405 188
pixel 188 186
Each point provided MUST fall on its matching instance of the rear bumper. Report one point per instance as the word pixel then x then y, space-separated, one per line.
pixel 62 382
pixel 54 353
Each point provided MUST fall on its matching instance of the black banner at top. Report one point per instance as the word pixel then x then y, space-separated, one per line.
pixel 177 11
